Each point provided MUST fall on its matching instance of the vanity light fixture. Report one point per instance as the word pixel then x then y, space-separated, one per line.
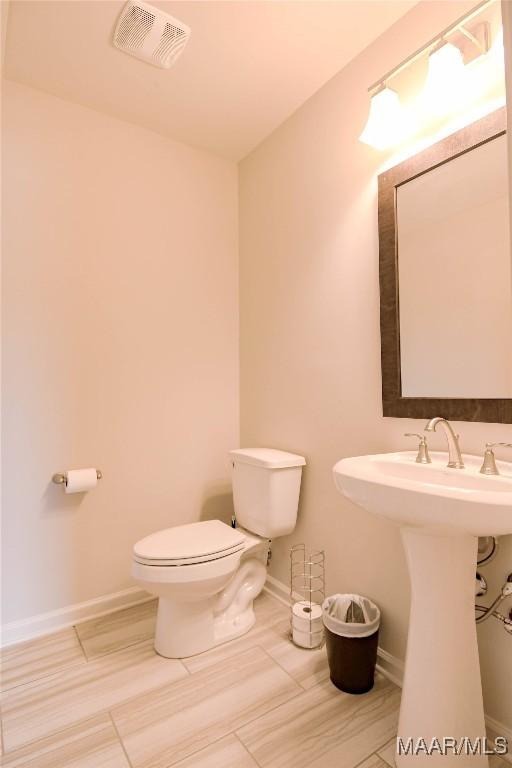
pixel 445 87
pixel 446 80
pixel 385 125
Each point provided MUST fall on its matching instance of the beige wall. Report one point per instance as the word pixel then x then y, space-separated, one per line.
pixel 120 343
pixel 506 12
pixel 310 339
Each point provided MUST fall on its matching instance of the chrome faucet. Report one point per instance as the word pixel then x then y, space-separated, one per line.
pixel 454 454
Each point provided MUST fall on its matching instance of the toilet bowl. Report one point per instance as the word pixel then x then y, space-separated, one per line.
pixel 206 575
pixel 205 596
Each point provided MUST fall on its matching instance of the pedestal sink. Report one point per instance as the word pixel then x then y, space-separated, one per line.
pixel 441 513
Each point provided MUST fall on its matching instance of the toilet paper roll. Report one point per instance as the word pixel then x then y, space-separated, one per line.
pixel 307 616
pixel 81 480
pixel 308 639
pixel 307 625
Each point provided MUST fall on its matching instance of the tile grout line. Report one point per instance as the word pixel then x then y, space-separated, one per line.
pixel 254 719
pixel 225 645
pixel 29 744
pixel 121 742
pixel 80 643
pixel 264 714
pixel 274 709
pixel 98 656
pixel 113 650
pixel 376 753
pixel 207 746
pixel 237 737
pixel 267 712
pixel 379 749
pixel 317 682
pixel 45 677
pixel 248 722
pixel 303 689
pixel 372 754
pixel 274 661
pixel 106 710
pixel 99 712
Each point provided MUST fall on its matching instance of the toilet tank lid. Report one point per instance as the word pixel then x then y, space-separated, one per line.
pixel 269 458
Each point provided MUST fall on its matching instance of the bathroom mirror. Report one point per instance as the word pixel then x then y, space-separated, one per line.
pixel 446 279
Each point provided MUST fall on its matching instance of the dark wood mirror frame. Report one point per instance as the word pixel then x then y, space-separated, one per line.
pixel 393 404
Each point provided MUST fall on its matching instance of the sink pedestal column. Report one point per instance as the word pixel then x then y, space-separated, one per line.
pixel 442 691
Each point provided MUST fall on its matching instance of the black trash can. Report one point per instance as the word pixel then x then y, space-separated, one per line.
pixel 352 635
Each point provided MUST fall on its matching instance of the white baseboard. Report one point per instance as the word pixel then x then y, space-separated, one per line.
pixel 391 666
pixel 279 590
pixel 495 728
pixel 46 623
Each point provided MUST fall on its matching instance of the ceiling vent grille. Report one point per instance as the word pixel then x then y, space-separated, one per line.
pixel 150 34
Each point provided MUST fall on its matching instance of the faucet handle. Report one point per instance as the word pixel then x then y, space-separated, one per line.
pixel 423 456
pixel 489 463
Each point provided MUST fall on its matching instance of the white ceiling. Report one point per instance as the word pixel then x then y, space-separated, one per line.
pixel 247 67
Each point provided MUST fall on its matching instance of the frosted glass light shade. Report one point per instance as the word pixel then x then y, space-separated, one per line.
pixel 497 50
pixel 386 122
pixel 446 83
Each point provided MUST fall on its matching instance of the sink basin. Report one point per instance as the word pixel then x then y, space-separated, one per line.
pixel 430 495
pixel 441 512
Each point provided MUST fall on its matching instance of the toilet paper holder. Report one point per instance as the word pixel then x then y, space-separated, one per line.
pixel 307 589
pixel 61 478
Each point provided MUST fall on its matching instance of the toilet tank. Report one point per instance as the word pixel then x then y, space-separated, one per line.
pixel 266 487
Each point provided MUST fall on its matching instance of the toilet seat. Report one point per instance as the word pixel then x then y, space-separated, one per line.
pixel 186 545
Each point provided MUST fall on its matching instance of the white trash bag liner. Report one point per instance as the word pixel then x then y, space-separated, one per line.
pixel 350 615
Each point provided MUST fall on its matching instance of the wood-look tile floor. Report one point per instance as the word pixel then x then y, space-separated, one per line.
pixel 97 696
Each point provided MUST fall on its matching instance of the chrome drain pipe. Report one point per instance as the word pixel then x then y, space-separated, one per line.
pixel 506 591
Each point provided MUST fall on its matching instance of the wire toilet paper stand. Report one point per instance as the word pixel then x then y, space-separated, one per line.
pixel 307 593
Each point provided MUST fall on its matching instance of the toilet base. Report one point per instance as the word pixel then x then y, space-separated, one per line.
pixel 228 629
pixel 186 629
pixel 183 629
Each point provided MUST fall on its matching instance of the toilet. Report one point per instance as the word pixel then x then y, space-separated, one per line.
pixel 206 575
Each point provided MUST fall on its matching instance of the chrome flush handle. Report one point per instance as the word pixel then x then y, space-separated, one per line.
pixel 489 464
pixel 423 456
